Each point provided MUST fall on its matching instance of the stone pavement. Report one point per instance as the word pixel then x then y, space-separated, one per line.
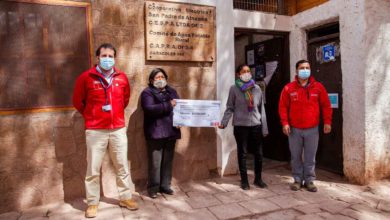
pixel 222 198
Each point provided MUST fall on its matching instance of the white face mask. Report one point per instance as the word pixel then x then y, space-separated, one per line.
pixel 304 74
pixel 107 63
pixel 159 84
pixel 246 77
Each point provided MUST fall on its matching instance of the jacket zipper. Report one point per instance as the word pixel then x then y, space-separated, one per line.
pixel 112 110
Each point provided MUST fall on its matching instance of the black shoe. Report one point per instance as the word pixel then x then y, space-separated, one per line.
pixel 260 183
pixel 152 195
pixel 245 186
pixel 167 191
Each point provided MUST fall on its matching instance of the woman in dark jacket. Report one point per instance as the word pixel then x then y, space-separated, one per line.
pixel 158 100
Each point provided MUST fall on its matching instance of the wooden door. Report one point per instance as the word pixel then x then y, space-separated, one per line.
pixel 325 60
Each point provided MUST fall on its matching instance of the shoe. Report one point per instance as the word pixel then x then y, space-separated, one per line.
pixel 311 187
pixel 260 184
pixel 129 204
pixel 167 191
pixel 91 211
pixel 152 195
pixel 295 186
pixel 245 186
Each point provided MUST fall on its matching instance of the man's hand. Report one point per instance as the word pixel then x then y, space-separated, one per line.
pixel 286 130
pixel 173 102
pixel 221 127
pixel 327 129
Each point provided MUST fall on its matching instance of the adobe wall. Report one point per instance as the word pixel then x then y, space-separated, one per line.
pixel 377 89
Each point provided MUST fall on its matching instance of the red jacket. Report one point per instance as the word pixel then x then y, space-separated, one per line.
pixel 89 98
pixel 299 106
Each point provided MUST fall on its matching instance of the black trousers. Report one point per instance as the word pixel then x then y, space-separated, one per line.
pixel 160 160
pixel 249 139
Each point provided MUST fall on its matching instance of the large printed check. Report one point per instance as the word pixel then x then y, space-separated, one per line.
pixel 196 113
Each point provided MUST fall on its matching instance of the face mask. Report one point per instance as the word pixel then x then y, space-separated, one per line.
pixel 304 74
pixel 246 77
pixel 159 84
pixel 106 63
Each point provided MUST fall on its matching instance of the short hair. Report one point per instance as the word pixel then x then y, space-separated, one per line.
pixel 300 62
pixel 240 67
pixel 106 46
pixel 154 72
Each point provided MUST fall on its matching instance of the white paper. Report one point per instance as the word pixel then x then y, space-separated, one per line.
pixel 270 68
pixel 196 113
pixel 250 54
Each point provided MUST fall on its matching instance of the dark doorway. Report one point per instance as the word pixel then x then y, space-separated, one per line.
pixel 325 59
pixel 267 53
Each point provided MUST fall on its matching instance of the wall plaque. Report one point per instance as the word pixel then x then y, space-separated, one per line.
pixel 179 32
pixel 44 46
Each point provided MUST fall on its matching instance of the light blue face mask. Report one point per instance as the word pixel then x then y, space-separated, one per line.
pixel 106 63
pixel 304 74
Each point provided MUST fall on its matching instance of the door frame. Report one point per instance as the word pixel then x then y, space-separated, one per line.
pixel 285 60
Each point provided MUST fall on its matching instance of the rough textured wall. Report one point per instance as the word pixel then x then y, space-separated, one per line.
pixel 42 159
pixel 349 13
pixel 42 155
pixel 377 83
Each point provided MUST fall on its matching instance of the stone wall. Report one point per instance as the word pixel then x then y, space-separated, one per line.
pixel 377 88
pixel 42 155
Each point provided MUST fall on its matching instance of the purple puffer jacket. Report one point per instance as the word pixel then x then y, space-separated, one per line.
pixel 158 113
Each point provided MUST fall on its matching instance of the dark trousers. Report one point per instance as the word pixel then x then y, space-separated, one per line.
pixel 160 160
pixel 249 139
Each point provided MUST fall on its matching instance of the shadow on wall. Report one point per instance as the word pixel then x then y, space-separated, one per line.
pixel 137 152
pixel 71 152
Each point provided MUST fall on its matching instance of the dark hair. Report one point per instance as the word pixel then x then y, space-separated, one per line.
pixel 240 67
pixel 300 62
pixel 155 72
pixel 106 46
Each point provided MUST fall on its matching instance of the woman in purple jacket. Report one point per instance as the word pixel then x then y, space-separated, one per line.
pixel 158 100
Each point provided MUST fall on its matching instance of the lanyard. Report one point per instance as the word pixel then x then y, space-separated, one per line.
pixel 106 87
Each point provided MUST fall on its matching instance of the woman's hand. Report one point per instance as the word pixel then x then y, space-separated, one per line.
pixel 173 102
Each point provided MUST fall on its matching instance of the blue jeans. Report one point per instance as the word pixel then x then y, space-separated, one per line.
pixel 303 141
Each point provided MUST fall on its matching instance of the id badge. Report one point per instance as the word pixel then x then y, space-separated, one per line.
pixel 106 108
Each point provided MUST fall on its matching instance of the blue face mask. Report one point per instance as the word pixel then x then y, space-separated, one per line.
pixel 304 74
pixel 106 63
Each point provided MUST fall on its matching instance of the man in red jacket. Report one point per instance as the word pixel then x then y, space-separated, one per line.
pixel 101 95
pixel 299 108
